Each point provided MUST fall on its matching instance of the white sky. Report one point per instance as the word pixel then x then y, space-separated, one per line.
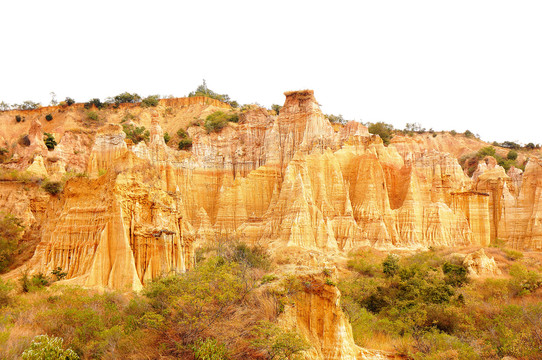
pixel 459 65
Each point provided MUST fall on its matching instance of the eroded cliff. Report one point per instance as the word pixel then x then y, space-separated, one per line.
pixel 278 181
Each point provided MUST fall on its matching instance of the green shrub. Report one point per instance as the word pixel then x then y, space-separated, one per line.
pixel 4 106
pixel 385 131
pixel 469 134
pixel 36 282
pixel 505 163
pixel 486 151
pixel 363 263
pixel 69 101
pixel 150 101
pixel 336 119
pixel 49 140
pixel 201 294
pixel 513 255
pixel 94 102
pixel 182 133
pixel 510 145
pixel 48 117
pixel 44 347
pixel 203 90
pixel 390 266
pixel 185 144
pixel 524 281
pixel 166 137
pixel 512 155
pixel 276 108
pixel 11 230
pixel 92 115
pixel 59 274
pixel 254 257
pixel 269 278
pixel 209 349
pixel 135 133
pixel 453 132
pixel 277 343
pixel 126 97
pixel 52 187
pixel 218 120
pixel 27 105
pixel 414 128
pixel 5 289
pixel 455 275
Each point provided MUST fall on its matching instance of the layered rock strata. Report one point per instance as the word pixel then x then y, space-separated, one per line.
pixel 291 180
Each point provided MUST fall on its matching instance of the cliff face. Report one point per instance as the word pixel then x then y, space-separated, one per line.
pixel 291 180
pixel 318 317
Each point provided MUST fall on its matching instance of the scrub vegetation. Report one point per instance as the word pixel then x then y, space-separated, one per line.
pixel 219 310
pixel 424 306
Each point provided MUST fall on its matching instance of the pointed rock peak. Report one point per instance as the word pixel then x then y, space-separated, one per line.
pixel 37 168
pixel 514 172
pixel 154 117
pixel 35 134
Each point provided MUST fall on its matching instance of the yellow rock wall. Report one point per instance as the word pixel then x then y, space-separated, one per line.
pixel 287 180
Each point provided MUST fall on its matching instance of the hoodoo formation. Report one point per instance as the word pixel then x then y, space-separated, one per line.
pixel 131 212
pixel 289 180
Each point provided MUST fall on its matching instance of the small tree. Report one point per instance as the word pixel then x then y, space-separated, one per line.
pixel 49 140
pixel 336 119
pixel 469 134
pixel 276 108
pixel 54 102
pixel 4 106
pixel 390 266
pixel 456 275
pixel 59 274
pixel 136 133
pixel 185 144
pixel 126 97
pixel 512 155
pixel 218 120
pixel 52 187
pixel 11 230
pixel 44 347
pixel 486 151
pixel 150 101
pixel 69 101
pixel 48 117
pixel 209 349
pixel 203 90
pixel 385 131
pixel 94 102
pixel 277 343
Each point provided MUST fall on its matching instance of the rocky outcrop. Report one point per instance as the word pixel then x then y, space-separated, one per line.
pixel 479 264
pixel 287 180
pixel 109 146
pixel 115 231
pixel 317 316
pixel 37 168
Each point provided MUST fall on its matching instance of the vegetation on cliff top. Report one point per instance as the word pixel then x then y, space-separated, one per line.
pixel 203 90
